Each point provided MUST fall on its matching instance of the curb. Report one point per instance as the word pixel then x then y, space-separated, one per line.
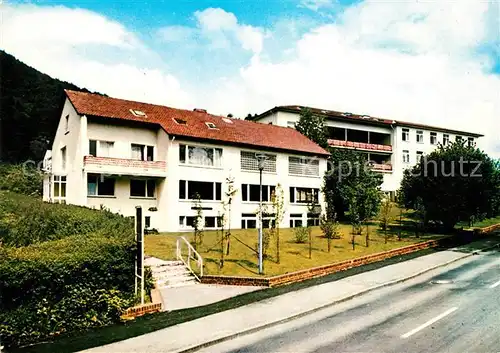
pixel 346 298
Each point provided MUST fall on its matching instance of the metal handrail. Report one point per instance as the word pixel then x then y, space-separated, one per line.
pixel 192 254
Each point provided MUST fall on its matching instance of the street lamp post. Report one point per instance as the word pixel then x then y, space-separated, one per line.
pixel 261 158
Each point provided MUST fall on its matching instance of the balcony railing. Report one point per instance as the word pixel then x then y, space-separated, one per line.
pixel 360 145
pixel 382 167
pixel 122 166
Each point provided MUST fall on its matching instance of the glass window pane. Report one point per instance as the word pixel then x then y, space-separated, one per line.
pixel 201 156
pixel 137 152
pixel 218 157
pixel 63 190
pixel 244 192
pixel 218 191
pixel 182 153
pixel 202 188
pixel 210 222
pixel 93 148
pixel 106 186
pixel 182 189
pixel 151 187
pixel 150 153
pixel 91 185
pixel 137 188
pixel 254 193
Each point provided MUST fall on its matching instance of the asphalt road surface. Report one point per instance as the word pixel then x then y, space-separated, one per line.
pixel 453 310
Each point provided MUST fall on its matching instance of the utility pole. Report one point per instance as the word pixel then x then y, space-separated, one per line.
pixel 261 158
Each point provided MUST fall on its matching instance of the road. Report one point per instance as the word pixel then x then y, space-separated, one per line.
pixel 453 310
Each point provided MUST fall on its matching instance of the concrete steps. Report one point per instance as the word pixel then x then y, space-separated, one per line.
pixel 170 274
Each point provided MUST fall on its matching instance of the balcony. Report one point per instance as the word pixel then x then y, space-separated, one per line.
pixel 120 166
pixel 360 145
pixel 382 167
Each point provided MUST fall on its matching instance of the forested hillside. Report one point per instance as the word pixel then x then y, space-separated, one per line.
pixel 30 103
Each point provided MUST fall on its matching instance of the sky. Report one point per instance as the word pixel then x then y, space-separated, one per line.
pixel 434 62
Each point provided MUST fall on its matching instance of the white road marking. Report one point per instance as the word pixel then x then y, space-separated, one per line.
pixel 494 285
pixel 428 323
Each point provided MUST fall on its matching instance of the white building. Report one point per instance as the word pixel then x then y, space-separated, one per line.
pixel 121 154
pixel 392 146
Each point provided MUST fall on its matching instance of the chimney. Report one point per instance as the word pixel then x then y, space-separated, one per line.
pixel 199 110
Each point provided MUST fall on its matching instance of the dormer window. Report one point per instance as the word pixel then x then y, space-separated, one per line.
pixel 180 121
pixel 138 113
pixel 211 126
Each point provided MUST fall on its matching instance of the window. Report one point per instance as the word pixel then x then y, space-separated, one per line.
pixel 251 192
pixel 406 156
pixel 138 113
pixel 99 185
pixel 142 152
pixel 470 141
pixel 248 221
pixel 100 148
pixel 249 162
pixel 205 156
pixel 406 135
pixel 93 148
pixel 66 123
pixel 313 219
pixel 207 190
pixel 63 158
pixel 290 124
pixel 211 126
pixel 295 220
pixel 419 156
pixel 147 222
pixel 304 195
pixel 142 187
pixel 212 221
pixel 446 139
pixel 59 188
pixel 458 139
pixel 180 121
pixel 434 138
pixel 420 136
pixel 303 166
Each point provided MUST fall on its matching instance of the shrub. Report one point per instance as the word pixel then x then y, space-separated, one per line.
pixel 26 220
pixel 301 234
pixel 23 179
pixel 64 285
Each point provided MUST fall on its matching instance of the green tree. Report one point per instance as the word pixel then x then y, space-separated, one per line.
pixel 363 197
pixel 198 221
pixel 278 209
pixel 453 184
pixel 350 177
pixel 385 217
pixel 313 126
pixel 330 227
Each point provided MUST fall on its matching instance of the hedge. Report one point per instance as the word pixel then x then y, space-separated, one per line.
pixel 63 285
pixel 27 220
pixel 63 268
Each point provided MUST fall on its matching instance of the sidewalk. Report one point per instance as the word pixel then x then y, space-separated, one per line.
pixel 267 312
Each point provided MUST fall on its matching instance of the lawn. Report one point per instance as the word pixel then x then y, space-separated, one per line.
pixel 242 259
pixel 481 224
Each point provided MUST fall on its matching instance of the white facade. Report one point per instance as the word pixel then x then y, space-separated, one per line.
pixel 399 155
pixel 117 165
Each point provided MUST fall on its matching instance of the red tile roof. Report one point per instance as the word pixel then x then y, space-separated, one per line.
pixel 362 119
pixel 228 130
